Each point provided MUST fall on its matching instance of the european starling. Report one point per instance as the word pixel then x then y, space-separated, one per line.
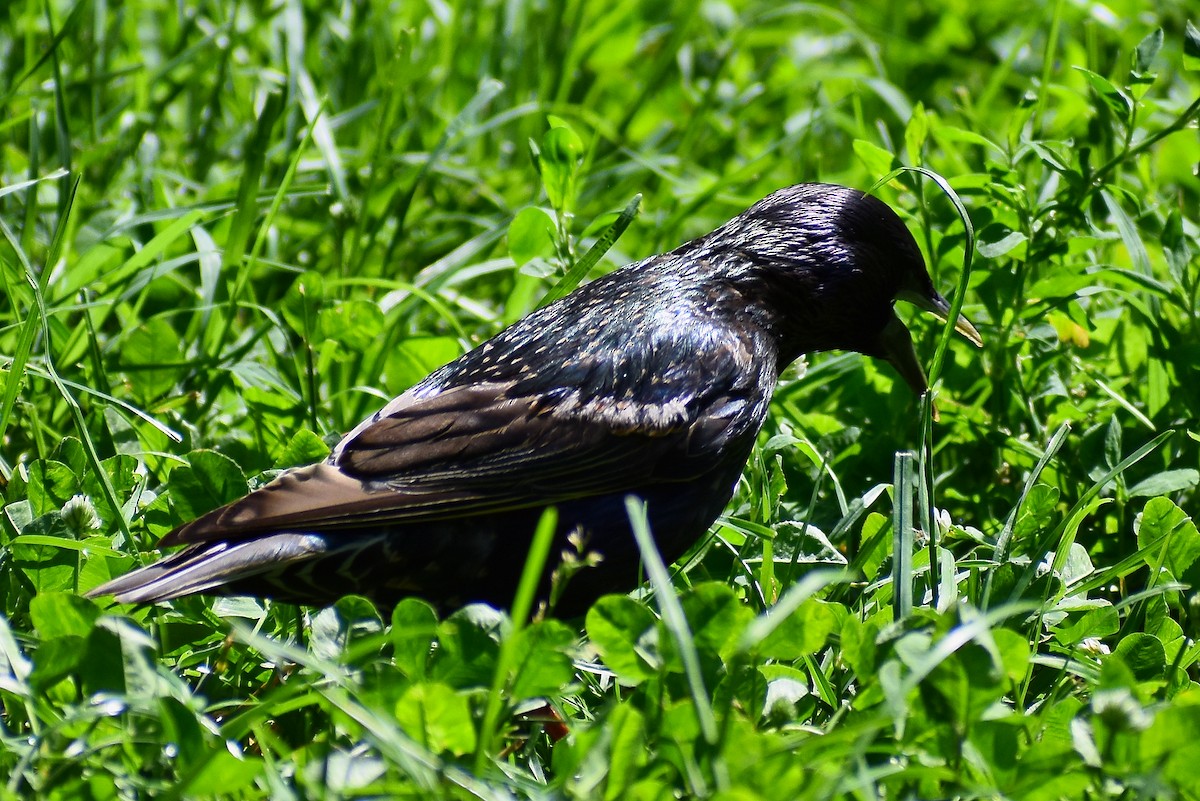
pixel 651 381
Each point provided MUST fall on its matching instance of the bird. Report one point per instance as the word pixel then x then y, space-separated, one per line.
pixel 651 381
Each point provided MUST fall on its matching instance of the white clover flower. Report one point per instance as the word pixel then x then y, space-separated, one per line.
pixel 1120 711
pixel 80 515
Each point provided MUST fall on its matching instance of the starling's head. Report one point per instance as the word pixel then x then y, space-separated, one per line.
pixel 831 262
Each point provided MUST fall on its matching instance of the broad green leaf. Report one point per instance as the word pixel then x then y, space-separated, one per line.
pixel 969 681
pixel 70 451
pixel 803 633
pixel 1113 97
pixel 787 688
pixel 1038 512
pixel 438 717
pixel 876 544
pixel 356 324
pixel 157 516
pixel 1101 622
pixel 1061 286
pixel 182 728
pixel 877 160
pixel 1176 246
pixel 1170 634
pixel 531 234
pixel 858 645
pixel 715 616
pixel 104 662
pixel 56 659
pixel 153 357
pixel 47 565
pixel 1130 235
pixel 1147 49
pixel 681 725
pixel 558 158
pixel 952 133
pixel 60 614
pixel 414 629
pixel 999 247
pixel 224 770
pixel 1171 746
pixel 626 634
pixel 468 646
pixel 334 629
pixel 303 448
pixel 627 750
pixel 414 358
pixel 1000 744
pixel 562 145
pixel 51 484
pixel 1158 386
pixel 545 666
pixel 1077 566
pixel 1014 652
pixel 1168 532
pixel 1166 482
pixel 122 472
pixel 208 480
pixel 1054 751
pixel 1144 655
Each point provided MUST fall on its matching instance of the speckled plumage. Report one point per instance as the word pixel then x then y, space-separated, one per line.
pixel 652 381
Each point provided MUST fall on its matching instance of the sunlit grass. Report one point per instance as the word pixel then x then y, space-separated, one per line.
pixel 228 234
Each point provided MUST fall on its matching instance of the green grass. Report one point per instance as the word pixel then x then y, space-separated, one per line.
pixel 227 233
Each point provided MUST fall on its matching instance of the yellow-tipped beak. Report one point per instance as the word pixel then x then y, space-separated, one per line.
pixel 897 346
pixel 940 308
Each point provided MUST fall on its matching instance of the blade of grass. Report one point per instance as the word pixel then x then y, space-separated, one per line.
pixel 676 623
pixel 162 428
pixel 964 278
pixel 976 626
pixel 531 577
pixel 331 681
pixel 1056 537
pixel 925 492
pixel 902 532
pixel 16 371
pixel 488 89
pixel 62 131
pixel 19 185
pixel 606 240
pixel 38 283
pixel 762 626
pixel 245 213
pixel 244 272
pixel 1005 537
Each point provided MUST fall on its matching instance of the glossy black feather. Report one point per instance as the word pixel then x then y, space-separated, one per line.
pixel 653 381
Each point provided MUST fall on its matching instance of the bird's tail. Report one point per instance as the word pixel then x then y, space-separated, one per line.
pixel 210 566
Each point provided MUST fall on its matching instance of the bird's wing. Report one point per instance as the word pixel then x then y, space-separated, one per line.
pixel 502 448
pixel 482 448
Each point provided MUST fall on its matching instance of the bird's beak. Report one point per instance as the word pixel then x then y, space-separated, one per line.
pixel 896 343
pixel 936 305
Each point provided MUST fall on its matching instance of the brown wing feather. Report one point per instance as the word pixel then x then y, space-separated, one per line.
pixel 466 451
pixel 317 497
pixel 421 436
